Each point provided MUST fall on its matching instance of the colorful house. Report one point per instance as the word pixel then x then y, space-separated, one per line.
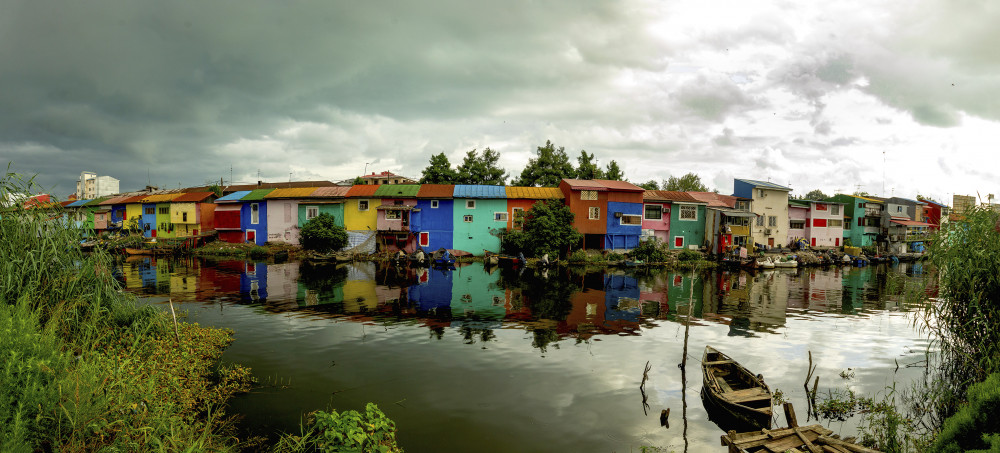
pixel 727 221
pixel 283 209
pixel 903 225
pixel 132 222
pixel 607 213
pixel 193 213
pixel 935 214
pixel 115 213
pixel 323 200
pixel 229 217
pixel 479 214
pixel 521 199
pixel 687 220
pixel 819 223
pixel 361 217
pixel 770 202
pixel 864 215
pixel 81 217
pixel 433 219
pixel 393 217
pixel 161 202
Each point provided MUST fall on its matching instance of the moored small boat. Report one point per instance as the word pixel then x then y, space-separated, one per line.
pixel 765 263
pixel 134 251
pixel 734 390
pixel 786 262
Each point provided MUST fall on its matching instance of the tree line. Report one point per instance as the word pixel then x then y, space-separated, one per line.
pixel 550 165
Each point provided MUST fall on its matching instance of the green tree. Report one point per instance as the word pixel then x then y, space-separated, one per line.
pixel 322 234
pixel 687 183
pixel 650 185
pixel 481 169
pixel 548 168
pixel 613 173
pixel 816 194
pixel 548 228
pixel 216 189
pixel 438 171
pixel 358 181
pixel 586 168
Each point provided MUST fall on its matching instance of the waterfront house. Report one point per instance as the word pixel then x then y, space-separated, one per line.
pixel 114 209
pixel 228 217
pixel 323 200
pixel 80 217
pixel 521 199
pixel 864 214
pixel 193 213
pixel 727 221
pixel 818 223
pixel 770 202
pixel 607 213
pixel 397 202
pixel 935 214
pixel 902 221
pixel 433 220
pixel 361 217
pixel 253 216
pixel 676 218
pixel 656 215
pixel 283 213
pixel 479 214
pixel 161 203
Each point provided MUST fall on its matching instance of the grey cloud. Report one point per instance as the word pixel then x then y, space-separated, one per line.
pixel 712 96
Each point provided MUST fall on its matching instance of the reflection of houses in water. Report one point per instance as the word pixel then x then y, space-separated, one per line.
pixel 253 282
pixel 359 289
pixel 748 302
pixel 475 295
pixel 621 301
pixel 816 290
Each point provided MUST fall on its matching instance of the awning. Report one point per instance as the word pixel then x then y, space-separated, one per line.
pixel 730 213
pixel 395 207
pixel 908 222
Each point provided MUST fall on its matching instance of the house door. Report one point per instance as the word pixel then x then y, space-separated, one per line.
pixel 252 236
pixel 770 242
pixel 813 242
pixel 836 242
pixel 406 218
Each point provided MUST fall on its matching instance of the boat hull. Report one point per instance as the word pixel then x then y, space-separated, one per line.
pixel 733 392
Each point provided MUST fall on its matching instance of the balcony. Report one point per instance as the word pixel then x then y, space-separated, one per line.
pixel 873 212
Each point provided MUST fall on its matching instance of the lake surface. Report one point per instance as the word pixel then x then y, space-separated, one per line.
pixel 511 360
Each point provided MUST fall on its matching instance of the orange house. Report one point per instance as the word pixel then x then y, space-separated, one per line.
pixel 521 199
pixel 603 209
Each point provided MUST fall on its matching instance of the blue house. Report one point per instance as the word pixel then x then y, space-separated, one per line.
pixel 432 293
pixel 432 221
pixel 624 225
pixel 241 217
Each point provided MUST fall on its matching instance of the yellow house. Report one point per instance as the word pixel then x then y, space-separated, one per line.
pixel 192 213
pixel 164 227
pixel 133 214
pixel 360 208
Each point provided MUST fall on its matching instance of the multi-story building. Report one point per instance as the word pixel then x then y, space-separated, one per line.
pixel 770 202
pixel 91 186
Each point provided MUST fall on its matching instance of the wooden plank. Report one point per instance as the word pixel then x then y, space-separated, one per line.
pixel 852 447
pixel 717 362
pixel 723 384
pixel 805 439
pixel 790 415
pixel 793 440
pixel 767 436
pixel 746 393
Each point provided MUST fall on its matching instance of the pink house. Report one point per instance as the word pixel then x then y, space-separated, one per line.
pixel 820 223
pixel 656 215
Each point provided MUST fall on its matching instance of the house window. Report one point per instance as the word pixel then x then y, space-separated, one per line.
pixel 836 223
pixel 518 218
pixel 149 211
pixel 653 212
pixel 689 213
pixel 312 212
pixel 796 224
pixel 425 239
pixel 678 241
pixel 467 219
pixel 819 223
pixel 500 216
pixel 820 207
pixel 362 205
pixel 772 221
pixel 899 209
pixel 393 215
pixel 164 210
pixel 742 205
pixel 835 209
pixel 254 213
pixel 594 213
pixel 470 204
pixel 184 217
pixel 588 195
pixel 631 219
pixel 760 220
pixel 434 204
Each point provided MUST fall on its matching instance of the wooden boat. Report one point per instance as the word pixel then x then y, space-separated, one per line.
pixel 134 251
pixel 734 390
pixel 805 438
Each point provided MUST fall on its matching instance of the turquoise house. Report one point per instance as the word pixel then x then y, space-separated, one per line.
pixel 324 200
pixel 687 224
pixel 479 214
pixel 862 219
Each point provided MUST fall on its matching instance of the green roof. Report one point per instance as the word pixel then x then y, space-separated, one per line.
pixel 256 195
pixel 97 201
pixel 803 203
pixel 397 190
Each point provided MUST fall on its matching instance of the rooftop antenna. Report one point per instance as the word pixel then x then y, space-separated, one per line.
pixel 883 173
pixel 230 173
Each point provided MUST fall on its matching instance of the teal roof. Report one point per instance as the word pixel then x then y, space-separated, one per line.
pixel 235 196
pixel 397 190
pixel 479 191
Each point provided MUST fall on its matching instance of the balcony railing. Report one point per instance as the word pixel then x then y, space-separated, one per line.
pixel 873 212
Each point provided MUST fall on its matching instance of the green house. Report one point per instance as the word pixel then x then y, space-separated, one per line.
pixel 864 215
pixel 479 214
pixel 324 200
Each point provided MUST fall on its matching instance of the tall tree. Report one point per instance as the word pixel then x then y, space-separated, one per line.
pixel 816 194
pixel 439 171
pixel 687 183
pixel 613 173
pixel 650 185
pixel 481 169
pixel 547 168
pixel 586 168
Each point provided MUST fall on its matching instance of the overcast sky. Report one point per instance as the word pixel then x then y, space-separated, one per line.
pixel 827 95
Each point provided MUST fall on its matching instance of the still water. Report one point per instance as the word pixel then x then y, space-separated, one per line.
pixel 521 360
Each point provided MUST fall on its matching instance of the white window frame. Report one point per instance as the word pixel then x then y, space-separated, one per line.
pixel 680 215
pixel 396 215
pixel 434 204
pixel 834 209
pixel 637 217
pixel 500 216
pixel 425 239
pixel 760 220
pixel 365 202
pixel 246 235
pixel 254 213
pixel 467 218
pixel 683 242
pixel 312 212
pixel 654 206
pixel 594 213
pixel 470 204
pixel 840 223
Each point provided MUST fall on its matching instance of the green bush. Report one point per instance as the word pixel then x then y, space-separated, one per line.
pixel 347 431
pixel 651 251
pixel 322 234
pixel 689 255
pixel 975 427
pixel 613 256
pixel 578 256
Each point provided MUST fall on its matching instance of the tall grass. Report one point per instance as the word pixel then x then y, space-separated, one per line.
pixel 82 366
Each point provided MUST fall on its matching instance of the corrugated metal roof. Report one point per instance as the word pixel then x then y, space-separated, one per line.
pixel 66 203
pixel 193 197
pixel 296 192
pixel 534 193
pixel 800 203
pixel 868 199
pixel 97 201
pixel 78 203
pixel 397 190
pixel 670 195
pixel 715 199
pixel 479 191
pixel 274 185
pixel 764 184
pixel 114 200
pixel 160 197
pixel 233 197
pixel 436 191
pixel 602 185
pixel 362 190
pixel 256 195
pixel 133 199
pixel 331 192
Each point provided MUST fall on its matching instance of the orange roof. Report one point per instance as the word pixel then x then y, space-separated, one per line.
pixel 296 192
pixel 160 197
pixel 134 199
pixel 193 197
pixel 114 200
pixel 669 195
pixel 436 191
pixel 362 190
pixel 534 193
pixel 331 192
pixel 716 200
pixel 601 185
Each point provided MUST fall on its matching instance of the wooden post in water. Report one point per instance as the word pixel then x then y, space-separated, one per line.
pixel 687 330
pixel 173 314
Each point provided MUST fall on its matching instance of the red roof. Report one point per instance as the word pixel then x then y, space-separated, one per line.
pixel 135 199
pixel 908 222
pixel 436 191
pixel 669 195
pixel 362 190
pixel 602 185
pixel 193 197
pixel 715 200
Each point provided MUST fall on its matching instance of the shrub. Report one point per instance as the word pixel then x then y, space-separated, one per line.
pixel 347 431
pixel 975 426
pixel 578 256
pixel 651 250
pixel 322 234
pixel 689 255
pixel 614 256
